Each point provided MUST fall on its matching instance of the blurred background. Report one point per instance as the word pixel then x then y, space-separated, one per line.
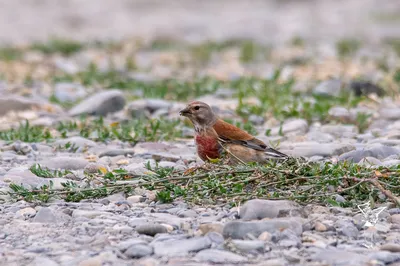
pixel 267 21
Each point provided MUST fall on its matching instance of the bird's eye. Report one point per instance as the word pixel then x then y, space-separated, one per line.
pixel 196 107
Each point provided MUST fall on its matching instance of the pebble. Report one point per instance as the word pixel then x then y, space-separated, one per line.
pixel 45 215
pixel 219 256
pixel 330 88
pixel 320 227
pixel 138 251
pixel 15 103
pixel 213 227
pixel 181 247
pixel 241 229
pixel 151 229
pixel 25 213
pixel 296 126
pixel 69 92
pixel 259 209
pixel 135 199
pixel 249 245
pixel 376 151
pixel 75 142
pixel 65 163
pixel 395 218
pixel 100 104
pixel 347 228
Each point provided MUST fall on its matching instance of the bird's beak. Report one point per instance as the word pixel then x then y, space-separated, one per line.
pixel 184 112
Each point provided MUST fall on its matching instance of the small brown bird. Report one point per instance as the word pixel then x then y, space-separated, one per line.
pixel 214 137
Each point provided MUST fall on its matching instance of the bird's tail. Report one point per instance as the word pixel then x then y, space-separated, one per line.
pixel 270 152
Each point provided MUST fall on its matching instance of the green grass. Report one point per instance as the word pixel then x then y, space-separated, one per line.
pixel 58 45
pixel 219 183
pixel 394 43
pixel 347 47
pixel 8 53
pixel 132 131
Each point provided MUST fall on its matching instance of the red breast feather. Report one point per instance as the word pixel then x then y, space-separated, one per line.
pixel 207 146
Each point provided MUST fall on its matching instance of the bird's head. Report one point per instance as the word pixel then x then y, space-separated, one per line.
pixel 199 113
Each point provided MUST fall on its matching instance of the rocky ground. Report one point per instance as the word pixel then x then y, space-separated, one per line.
pixel 97 167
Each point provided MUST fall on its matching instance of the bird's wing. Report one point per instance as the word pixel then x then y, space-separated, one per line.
pixel 228 133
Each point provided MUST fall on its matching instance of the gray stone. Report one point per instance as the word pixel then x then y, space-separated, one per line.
pixel 75 142
pixel 135 199
pixel 295 126
pixel 369 162
pixel 151 229
pixel 390 163
pixel 215 237
pixel 219 256
pixel 390 113
pixel 100 104
pixel 94 168
pixel 334 256
pixel 187 213
pixel 16 104
pixel 167 164
pixel 181 247
pixel 155 104
pixel 249 245
pixel 124 245
pixel 44 261
pixel 346 228
pixel 330 87
pixel 320 149
pixel 385 256
pixel 25 213
pixel 69 92
pixel 138 251
pixel 141 107
pixel 258 209
pixel 64 162
pixel 390 247
pixel 376 151
pixel 256 120
pixel 116 152
pixel 366 88
pixel 340 131
pixel 88 213
pixel 22 176
pixel 319 137
pixel 288 238
pixel 45 215
pixel 224 93
pixel 395 218
pixel 137 169
pixel 240 230
pixel 340 113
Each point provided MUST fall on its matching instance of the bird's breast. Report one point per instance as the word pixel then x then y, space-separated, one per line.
pixel 207 146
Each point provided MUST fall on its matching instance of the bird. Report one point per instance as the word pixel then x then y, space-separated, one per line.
pixel 216 138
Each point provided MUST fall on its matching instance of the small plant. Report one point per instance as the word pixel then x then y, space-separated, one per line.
pixel 363 121
pixel 26 133
pixel 37 170
pixel 248 51
pixel 56 45
pixel 347 47
pixel 297 41
pixel 164 196
pixel 9 53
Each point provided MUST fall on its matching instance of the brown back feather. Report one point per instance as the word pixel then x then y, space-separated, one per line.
pixel 233 134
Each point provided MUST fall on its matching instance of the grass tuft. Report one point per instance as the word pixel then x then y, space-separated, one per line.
pixel 293 179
